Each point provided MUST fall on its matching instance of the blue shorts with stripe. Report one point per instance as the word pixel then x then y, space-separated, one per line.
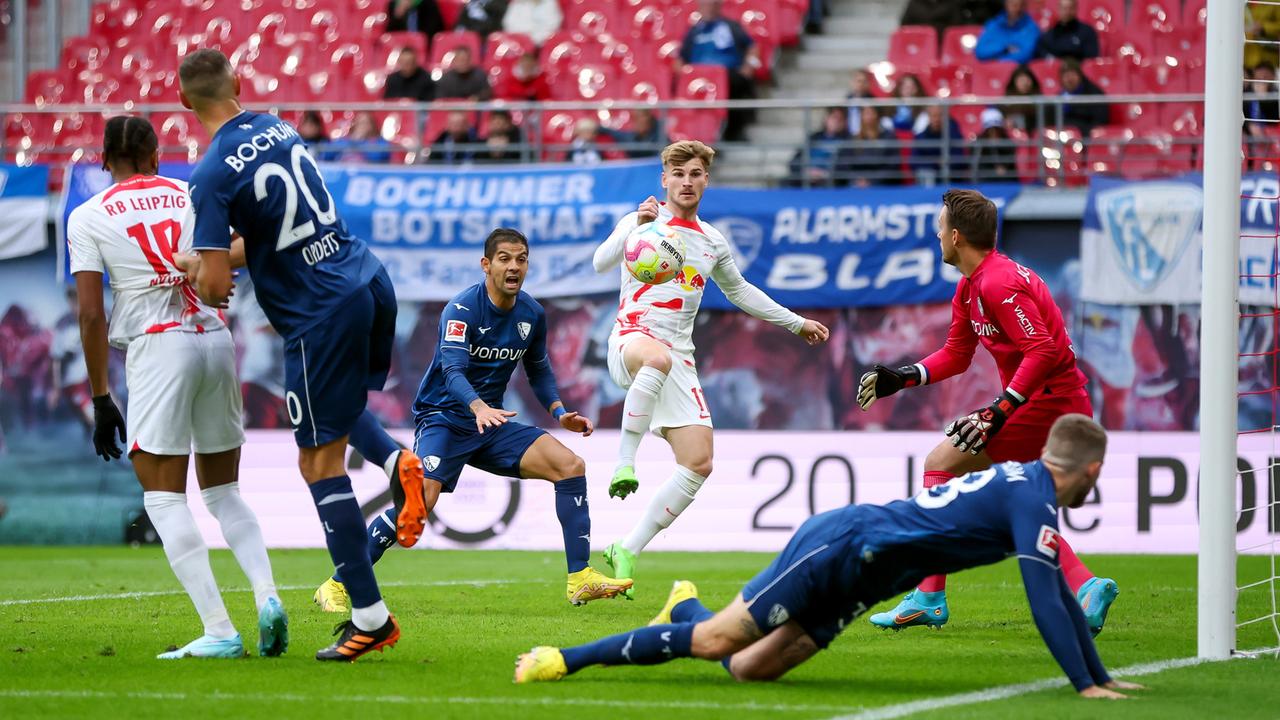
pixel 446 443
pixel 330 367
pixel 814 580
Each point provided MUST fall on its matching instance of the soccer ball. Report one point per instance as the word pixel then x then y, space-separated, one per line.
pixel 654 253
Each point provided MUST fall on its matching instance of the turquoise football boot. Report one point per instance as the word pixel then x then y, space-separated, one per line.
pixel 1095 598
pixel 273 629
pixel 917 608
pixel 207 646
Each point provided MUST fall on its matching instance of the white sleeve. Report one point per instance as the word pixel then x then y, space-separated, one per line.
pixel 609 254
pixel 82 248
pixel 746 296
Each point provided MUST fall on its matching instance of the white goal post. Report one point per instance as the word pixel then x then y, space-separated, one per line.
pixel 1219 328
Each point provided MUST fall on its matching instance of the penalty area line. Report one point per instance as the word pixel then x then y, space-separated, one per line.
pixel 1003 692
pixel 161 593
pixel 417 700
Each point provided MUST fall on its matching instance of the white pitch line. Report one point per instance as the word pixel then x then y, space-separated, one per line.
pixel 423 699
pixel 159 593
pixel 1004 692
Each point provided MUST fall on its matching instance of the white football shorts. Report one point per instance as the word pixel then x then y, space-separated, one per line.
pixel 681 401
pixel 183 393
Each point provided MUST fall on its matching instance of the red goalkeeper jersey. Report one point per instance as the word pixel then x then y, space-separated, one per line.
pixel 1010 310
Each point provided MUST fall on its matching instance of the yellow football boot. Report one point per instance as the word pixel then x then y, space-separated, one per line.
pixel 590 584
pixel 541 664
pixel 332 597
pixel 681 590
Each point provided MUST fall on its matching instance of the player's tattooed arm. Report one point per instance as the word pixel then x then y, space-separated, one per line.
pixel 749 628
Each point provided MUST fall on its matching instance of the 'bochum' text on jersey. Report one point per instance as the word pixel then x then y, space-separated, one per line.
pixel 258 179
pixel 478 350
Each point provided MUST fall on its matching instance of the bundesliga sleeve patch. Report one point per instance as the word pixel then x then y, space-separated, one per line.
pixel 455 331
pixel 1047 543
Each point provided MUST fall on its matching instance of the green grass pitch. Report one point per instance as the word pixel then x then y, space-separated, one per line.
pixel 465 616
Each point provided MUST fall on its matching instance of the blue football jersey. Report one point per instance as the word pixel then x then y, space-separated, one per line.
pixel 478 349
pixel 258 178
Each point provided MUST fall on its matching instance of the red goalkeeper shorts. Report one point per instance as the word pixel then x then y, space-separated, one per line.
pixel 1023 437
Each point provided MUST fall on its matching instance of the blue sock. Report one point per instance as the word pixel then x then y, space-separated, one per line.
pixel 642 646
pixel 575 521
pixel 371 440
pixel 690 611
pixel 382 535
pixel 345 535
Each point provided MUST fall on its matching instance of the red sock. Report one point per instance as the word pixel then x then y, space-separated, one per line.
pixel 934 583
pixel 1074 570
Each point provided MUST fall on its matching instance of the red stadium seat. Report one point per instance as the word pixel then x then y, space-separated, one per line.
pixel 115 21
pixel 958 43
pixel 159 87
pixel 390 45
pixel 588 81
pixel 760 26
pixel 1140 117
pixel 1185 44
pixel 1106 149
pixel 593 19
pixel 326 24
pixel 47 87
pixel 84 53
pixel 618 54
pixel 649 83
pixel 1194 13
pixel 1183 119
pixel 1137 46
pixel 950 80
pixel 1158 15
pixel 1046 72
pixel 914 46
pixel 506 48
pixel 1044 13
pixel 177 135
pixel 991 78
pixel 562 51
pixel 1195 77
pixel 438 120
pixel 450 10
pixel 693 125
pixel 1147 157
pixel 1158 78
pixel 969 118
pixel 1102 14
pixel 445 43
pixel 791 14
pixel 650 23
pixel 1108 74
pixel 704 82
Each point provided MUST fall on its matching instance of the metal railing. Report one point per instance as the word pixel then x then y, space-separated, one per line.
pixel 1052 153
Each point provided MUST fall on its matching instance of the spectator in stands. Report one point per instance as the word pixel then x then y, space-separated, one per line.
pixel 585 148
pixel 819 161
pixel 717 40
pixel 362 144
pixel 873 158
pixel 409 80
pixel 859 89
pixel 482 16
pixel 1011 35
pixel 1022 83
pixel 464 79
pixel 526 81
pixel 942 14
pixel 503 141
pixel 311 128
pixel 458 143
pixel 1068 38
pixel 1261 113
pixel 539 19
pixel 1074 83
pixel 415 16
pixel 906 118
pixel 994 158
pixel 936 147
pixel 644 135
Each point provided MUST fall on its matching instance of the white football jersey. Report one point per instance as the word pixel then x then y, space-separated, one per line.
pixel 667 312
pixel 132 230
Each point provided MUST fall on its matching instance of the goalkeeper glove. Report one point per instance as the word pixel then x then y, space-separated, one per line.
pixel 883 382
pixel 107 423
pixel 972 432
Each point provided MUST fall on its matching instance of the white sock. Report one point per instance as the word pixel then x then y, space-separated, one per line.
pixel 667 504
pixel 243 534
pixel 370 618
pixel 189 558
pixel 389 467
pixel 637 412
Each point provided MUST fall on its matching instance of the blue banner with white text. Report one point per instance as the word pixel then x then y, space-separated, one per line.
pixel 805 248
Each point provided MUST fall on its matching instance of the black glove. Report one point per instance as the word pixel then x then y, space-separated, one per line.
pixel 107 423
pixel 972 432
pixel 883 382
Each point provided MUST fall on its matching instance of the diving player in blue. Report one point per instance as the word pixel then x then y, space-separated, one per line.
pixel 840 563
pixel 485 331
pixel 331 301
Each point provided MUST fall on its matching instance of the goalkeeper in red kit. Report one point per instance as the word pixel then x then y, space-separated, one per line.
pixel 1009 310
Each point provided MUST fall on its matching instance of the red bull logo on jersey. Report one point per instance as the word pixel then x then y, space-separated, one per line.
pixel 691 280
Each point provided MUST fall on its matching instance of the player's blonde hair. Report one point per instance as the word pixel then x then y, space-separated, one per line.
pixel 679 153
pixel 1075 441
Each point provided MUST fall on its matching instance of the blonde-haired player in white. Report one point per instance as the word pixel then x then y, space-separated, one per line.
pixel 651 347
pixel 180 369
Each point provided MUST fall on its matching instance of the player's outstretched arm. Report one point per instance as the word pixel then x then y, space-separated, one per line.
pixel 883 381
pixel 1043 581
pixel 956 353
pixel 756 303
